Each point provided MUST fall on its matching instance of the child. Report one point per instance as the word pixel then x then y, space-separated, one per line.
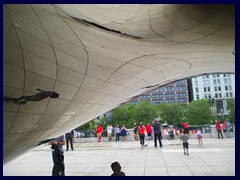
pixel 116 167
pixel 184 138
pixel 199 137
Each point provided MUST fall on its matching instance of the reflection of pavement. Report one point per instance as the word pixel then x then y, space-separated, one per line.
pixel 216 157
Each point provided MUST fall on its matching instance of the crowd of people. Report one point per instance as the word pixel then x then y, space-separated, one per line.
pixel 141 132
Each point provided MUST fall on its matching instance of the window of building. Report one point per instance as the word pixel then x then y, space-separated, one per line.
pixel 224 75
pixel 229 81
pixel 215 82
pixel 218 75
pixel 226 88
pixel 215 88
pixel 216 95
pixel 207 76
pixel 208 89
pixel 220 95
pixel 204 82
pixel 230 88
pixel 197 90
pixel 218 81
pixel 197 96
pixel 225 81
pixel 231 94
pixel 205 89
pixel 227 95
pixel 205 95
pixel 208 82
pixel 196 83
pixel 219 88
pixel 214 76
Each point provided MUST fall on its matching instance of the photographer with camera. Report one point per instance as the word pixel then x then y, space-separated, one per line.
pixel 58 156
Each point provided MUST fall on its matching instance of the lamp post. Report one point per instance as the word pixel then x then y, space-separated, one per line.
pixel 212 101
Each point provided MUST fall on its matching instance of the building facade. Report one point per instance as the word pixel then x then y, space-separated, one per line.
pixel 176 92
pixel 217 88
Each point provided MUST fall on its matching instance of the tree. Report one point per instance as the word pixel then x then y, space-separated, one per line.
pixel 172 113
pixel 231 108
pixel 144 112
pixel 198 113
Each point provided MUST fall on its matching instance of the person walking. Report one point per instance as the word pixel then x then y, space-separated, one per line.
pixel 58 156
pixel 218 128
pixel 228 128
pixel 184 138
pixel 99 132
pixel 157 133
pixel 69 138
pixel 141 132
pixel 117 132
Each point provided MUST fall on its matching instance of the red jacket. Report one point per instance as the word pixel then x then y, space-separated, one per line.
pixel 218 126
pixel 185 125
pixel 141 130
pixel 99 129
pixel 149 128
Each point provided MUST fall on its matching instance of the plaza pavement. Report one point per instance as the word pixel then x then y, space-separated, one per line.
pixel 216 157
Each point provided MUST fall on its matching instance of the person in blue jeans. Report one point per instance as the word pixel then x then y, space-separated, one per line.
pixel 58 156
pixel 228 128
pixel 117 132
pixel 157 133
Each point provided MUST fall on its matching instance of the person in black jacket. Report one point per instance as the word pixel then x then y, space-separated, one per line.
pixel 157 133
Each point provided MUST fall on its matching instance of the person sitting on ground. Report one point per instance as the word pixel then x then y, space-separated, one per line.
pixel 116 167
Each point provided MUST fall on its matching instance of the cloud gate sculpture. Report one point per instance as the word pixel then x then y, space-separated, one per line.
pixel 96 57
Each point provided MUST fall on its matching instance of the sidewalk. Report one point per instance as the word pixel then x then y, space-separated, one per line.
pixel 216 157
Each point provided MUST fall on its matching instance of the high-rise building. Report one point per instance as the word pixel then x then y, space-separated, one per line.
pixel 176 92
pixel 217 88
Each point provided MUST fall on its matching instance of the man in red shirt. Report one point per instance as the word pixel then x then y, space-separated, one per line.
pixel 99 132
pixel 218 127
pixel 149 131
pixel 185 127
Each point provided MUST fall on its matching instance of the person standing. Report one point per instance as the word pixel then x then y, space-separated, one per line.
pixel 185 127
pixel 58 156
pixel 69 137
pixel 135 131
pixel 117 132
pixel 149 131
pixel 184 138
pixel 99 132
pixel 224 126
pixel 157 133
pixel 141 132
pixel 123 132
pixel 218 128
pixel 109 132
pixel 228 128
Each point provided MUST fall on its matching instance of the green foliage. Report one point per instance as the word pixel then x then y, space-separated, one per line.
pixel 172 113
pixel 198 113
pixel 231 107
pixel 144 112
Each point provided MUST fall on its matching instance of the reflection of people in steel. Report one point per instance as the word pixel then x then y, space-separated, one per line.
pixel 37 97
